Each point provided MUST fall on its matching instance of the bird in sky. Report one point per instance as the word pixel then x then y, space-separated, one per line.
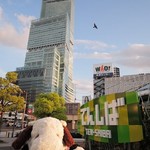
pixel 95 26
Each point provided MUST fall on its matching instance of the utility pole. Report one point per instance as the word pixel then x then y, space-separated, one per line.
pixel 23 115
pixel 75 92
pixel 13 129
pixel 24 110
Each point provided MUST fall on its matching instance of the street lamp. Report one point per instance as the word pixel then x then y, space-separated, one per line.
pixel 13 129
pixel 24 110
pixel 23 115
pixel 75 92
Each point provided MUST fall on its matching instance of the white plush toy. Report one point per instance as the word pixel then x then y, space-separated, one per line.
pixel 46 134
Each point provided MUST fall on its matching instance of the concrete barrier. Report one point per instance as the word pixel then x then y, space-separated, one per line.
pixel 9 134
pixel 3 134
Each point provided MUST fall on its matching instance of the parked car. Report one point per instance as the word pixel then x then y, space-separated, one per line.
pixel 10 123
pixel 78 138
pixel 18 125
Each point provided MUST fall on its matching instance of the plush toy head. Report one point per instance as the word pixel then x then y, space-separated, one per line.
pixel 46 134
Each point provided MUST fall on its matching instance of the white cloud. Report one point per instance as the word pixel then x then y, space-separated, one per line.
pixel 1 13
pixel 93 45
pixel 94 55
pixel 12 37
pixel 136 55
pixel 83 87
pixel 88 49
pixel 25 20
pixel 83 84
pixel 137 49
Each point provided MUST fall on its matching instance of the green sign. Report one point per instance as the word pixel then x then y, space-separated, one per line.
pixel 114 118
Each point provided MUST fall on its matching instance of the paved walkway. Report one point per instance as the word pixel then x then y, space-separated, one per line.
pixel 7 139
pixel 6 143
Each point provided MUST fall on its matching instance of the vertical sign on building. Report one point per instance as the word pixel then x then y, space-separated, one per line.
pixel 86 99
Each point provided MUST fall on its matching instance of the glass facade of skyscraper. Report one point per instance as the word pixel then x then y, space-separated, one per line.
pixel 49 60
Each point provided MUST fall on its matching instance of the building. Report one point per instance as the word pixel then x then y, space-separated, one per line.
pixel 49 59
pixel 138 82
pixel 100 72
pixel 126 83
pixel 141 84
pixel 72 115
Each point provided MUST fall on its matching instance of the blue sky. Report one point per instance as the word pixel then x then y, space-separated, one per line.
pixel 122 37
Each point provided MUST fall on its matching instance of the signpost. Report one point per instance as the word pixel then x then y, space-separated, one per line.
pixel 114 118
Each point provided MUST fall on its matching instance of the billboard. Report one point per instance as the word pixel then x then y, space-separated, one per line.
pixel 100 75
pixel 102 70
pixel 114 118
pixel 30 109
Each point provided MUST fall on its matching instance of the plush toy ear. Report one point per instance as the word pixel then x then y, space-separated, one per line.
pixel 22 138
pixel 68 139
pixel 64 124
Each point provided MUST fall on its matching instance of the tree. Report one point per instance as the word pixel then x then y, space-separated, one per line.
pixel 50 104
pixel 10 94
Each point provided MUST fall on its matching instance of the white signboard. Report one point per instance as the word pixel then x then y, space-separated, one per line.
pixel 102 68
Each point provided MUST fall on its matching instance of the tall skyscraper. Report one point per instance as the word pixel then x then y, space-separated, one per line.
pixel 49 59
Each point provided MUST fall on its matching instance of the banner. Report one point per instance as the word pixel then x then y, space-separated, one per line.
pixel 114 118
